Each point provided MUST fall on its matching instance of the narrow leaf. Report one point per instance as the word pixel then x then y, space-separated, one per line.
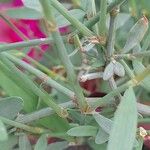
pixel 103 122
pixel 119 69
pixel 82 131
pixel 109 71
pixel 136 34
pixel 24 143
pixel 123 132
pixel 101 137
pixel 3 132
pixel 41 143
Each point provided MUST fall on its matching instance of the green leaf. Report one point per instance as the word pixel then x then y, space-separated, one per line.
pixel 24 143
pixel 12 88
pixel 10 106
pixel 56 124
pixel 109 71
pixel 82 131
pixel 136 34
pixel 77 13
pixel 23 13
pixel 57 146
pixel 119 69
pixel 10 143
pixel 34 4
pixel 123 132
pixel 101 136
pixel 121 19
pixel 41 143
pixel 139 68
pixel 3 132
pixel 103 122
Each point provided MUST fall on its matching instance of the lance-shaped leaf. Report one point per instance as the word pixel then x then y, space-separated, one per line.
pixel 119 69
pixel 3 132
pixel 103 122
pixel 24 143
pixel 136 34
pixel 101 136
pixel 41 143
pixel 82 131
pixel 123 132
pixel 109 71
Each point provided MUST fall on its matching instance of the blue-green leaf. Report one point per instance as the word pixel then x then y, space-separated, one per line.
pixel 101 136
pixel 41 143
pixel 24 13
pixel 3 132
pixel 24 143
pixel 103 122
pixel 82 131
pixel 33 4
pixel 10 107
pixel 109 71
pixel 123 132
pixel 136 34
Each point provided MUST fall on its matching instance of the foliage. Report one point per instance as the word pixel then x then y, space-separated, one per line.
pixel 86 82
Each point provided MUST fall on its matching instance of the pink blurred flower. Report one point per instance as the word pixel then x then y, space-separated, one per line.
pixel 30 28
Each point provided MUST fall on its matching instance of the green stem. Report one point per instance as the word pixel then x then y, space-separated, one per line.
pixel 20 34
pixel 33 87
pixel 35 130
pixel 108 99
pixel 45 112
pixel 102 20
pixel 62 52
pixel 144 120
pixel 111 33
pixel 41 75
pixel 132 56
pixel 96 18
pixel 76 23
pixel 50 73
pixel 23 44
